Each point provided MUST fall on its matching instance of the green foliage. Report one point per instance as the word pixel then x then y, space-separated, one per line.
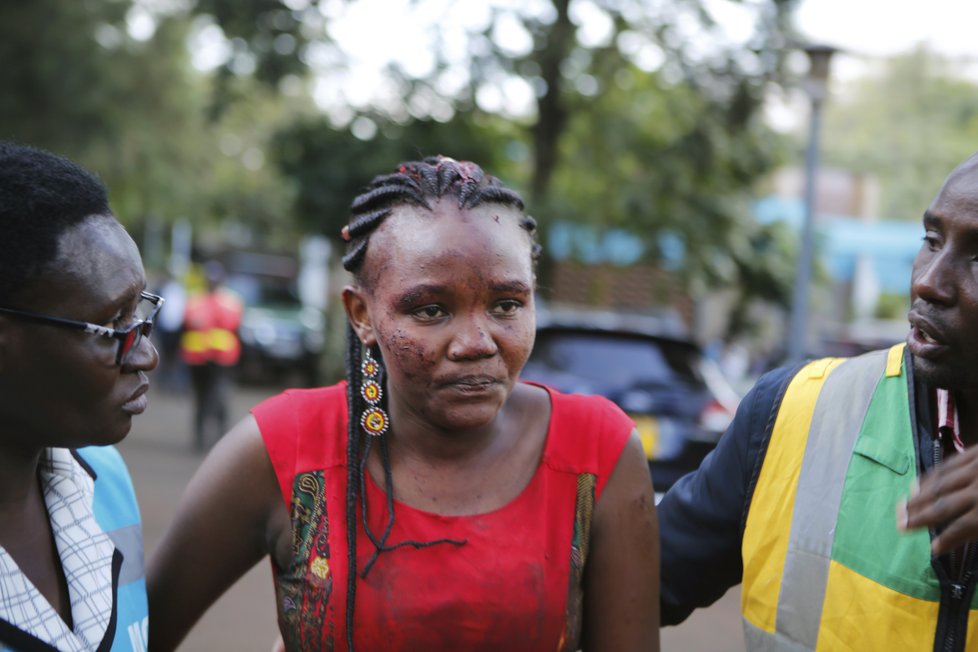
pixel 266 35
pixel 55 91
pixel 331 166
pixel 135 112
pixel 665 150
pixel 892 306
pixel 661 159
pixel 909 124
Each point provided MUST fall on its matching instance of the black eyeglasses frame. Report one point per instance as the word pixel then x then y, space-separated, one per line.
pixel 127 341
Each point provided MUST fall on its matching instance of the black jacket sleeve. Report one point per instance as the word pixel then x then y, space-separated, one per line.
pixel 702 517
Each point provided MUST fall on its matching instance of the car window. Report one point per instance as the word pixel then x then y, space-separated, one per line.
pixel 255 291
pixel 617 359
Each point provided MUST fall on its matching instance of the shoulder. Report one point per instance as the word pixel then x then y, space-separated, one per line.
pixel 228 298
pixel 115 496
pixel 101 458
pixel 106 467
pixel 296 403
pixel 572 411
pixel 303 429
pixel 587 434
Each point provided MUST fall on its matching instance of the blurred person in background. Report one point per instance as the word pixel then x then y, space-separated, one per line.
pixel 169 328
pixel 797 501
pixel 74 316
pixel 210 347
pixel 432 501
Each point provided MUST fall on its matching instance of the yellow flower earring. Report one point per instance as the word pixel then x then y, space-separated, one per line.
pixel 373 420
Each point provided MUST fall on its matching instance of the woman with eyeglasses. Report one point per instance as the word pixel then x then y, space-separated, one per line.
pixel 74 316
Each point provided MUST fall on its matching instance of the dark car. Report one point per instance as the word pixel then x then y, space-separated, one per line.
pixel 678 399
pixel 278 333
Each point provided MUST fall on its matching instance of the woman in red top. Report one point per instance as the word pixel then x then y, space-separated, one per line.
pixel 432 501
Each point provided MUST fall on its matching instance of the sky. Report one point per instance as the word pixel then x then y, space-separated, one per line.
pixel 881 27
pixel 866 31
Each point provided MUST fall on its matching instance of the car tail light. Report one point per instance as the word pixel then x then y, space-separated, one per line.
pixel 715 418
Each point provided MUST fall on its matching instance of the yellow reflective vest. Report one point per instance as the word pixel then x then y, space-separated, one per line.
pixel 210 329
pixel 823 564
pixel 798 502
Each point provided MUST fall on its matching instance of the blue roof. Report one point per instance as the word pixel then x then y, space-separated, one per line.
pixel 890 245
pixel 587 244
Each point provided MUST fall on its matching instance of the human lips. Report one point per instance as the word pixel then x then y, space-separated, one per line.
pixel 926 338
pixel 137 402
pixel 470 383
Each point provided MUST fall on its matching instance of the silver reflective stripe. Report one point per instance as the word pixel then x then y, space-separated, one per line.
pixel 129 541
pixel 839 414
pixel 758 640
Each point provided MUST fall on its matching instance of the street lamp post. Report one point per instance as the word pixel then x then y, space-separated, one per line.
pixel 816 86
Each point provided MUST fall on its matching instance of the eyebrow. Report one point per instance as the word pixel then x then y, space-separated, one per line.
pixel 516 287
pixel 930 219
pixel 415 293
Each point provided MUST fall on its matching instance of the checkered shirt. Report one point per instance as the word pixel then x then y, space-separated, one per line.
pixel 86 557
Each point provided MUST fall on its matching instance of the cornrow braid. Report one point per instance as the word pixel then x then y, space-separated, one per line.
pixel 354 352
pixel 420 183
pixel 417 183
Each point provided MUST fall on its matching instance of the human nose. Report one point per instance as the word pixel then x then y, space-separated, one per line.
pixel 472 340
pixel 933 278
pixel 142 357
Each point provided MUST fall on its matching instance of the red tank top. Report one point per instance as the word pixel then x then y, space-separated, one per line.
pixel 515 582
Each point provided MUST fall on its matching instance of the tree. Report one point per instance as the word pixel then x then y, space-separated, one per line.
pixel 134 110
pixel 55 73
pixel 331 166
pixel 598 152
pixel 908 123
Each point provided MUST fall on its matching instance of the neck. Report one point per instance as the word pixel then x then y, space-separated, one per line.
pixel 18 475
pixel 416 438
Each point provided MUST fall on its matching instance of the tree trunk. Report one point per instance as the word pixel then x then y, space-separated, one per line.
pixel 551 112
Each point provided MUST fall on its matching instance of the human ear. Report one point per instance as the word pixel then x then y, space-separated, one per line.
pixel 357 311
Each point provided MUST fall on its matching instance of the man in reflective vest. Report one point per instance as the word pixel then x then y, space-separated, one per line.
pixel 804 500
pixel 210 347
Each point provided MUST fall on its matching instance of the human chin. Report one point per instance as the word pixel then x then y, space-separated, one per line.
pixel 114 429
pixel 469 415
pixel 936 374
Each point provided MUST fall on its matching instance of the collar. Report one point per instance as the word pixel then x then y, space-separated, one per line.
pixel 87 558
pixel 948 427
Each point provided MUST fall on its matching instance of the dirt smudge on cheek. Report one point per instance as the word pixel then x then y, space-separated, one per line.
pixel 409 354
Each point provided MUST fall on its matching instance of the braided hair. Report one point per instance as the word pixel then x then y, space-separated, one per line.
pixel 414 183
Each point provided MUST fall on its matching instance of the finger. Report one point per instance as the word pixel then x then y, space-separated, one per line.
pixel 962 464
pixel 957 533
pixel 939 509
pixel 946 479
pixel 902 520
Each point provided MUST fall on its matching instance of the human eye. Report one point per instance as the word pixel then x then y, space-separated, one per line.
pixel 430 312
pixel 507 307
pixel 121 320
pixel 125 316
pixel 931 241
